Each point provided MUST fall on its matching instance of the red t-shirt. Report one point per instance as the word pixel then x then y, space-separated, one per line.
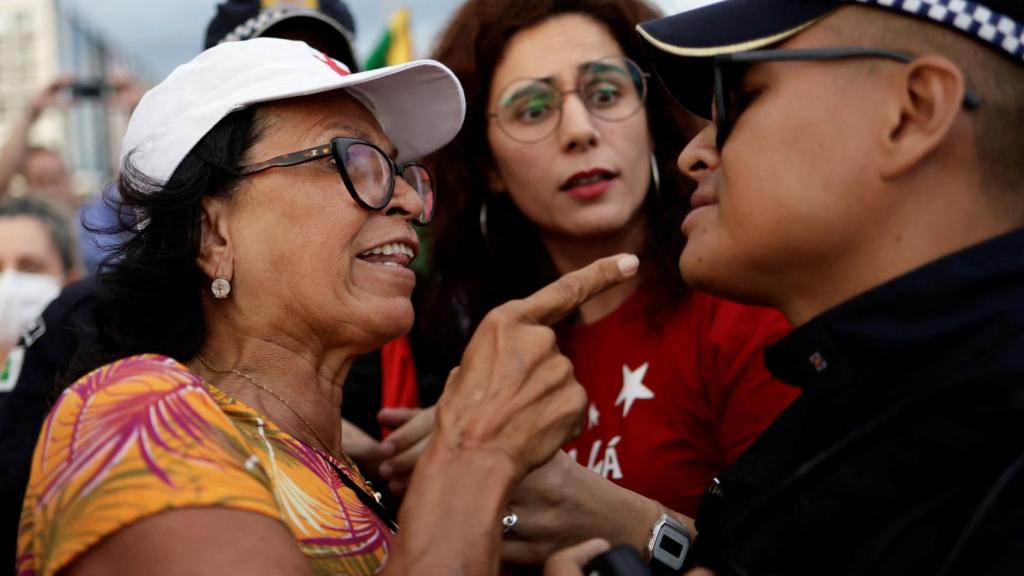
pixel 673 405
pixel 398 385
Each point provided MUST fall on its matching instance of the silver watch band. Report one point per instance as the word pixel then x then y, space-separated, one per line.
pixel 668 544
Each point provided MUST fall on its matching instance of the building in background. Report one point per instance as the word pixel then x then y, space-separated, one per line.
pixel 39 40
pixel 28 57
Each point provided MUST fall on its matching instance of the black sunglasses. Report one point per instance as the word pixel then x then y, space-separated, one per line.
pixel 367 171
pixel 727 109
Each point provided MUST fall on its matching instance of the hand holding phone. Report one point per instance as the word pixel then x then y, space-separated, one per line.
pixel 87 88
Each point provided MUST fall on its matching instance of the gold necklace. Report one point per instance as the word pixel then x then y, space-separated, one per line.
pixel 280 398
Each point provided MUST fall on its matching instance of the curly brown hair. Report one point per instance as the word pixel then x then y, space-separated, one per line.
pixel 471 272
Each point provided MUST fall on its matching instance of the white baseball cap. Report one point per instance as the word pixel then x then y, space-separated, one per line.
pixel 419 105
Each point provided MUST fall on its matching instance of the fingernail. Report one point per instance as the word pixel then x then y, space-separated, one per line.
pixel 628 264
pixel 385 470
pixel 388 448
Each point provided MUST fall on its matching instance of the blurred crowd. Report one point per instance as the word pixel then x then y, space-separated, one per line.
pixel 591 290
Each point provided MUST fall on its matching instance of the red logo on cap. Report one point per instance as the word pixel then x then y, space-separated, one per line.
pixel 332 64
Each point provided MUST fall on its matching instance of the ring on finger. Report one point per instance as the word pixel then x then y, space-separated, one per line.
pixel 508 523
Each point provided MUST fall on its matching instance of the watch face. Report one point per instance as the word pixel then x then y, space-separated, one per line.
pixel 670 547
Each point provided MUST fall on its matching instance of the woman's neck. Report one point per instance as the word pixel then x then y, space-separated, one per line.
pixel 297 388
pixel 572 253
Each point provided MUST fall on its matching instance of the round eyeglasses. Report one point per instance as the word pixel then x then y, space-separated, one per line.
pixel 612 89
pixel 367 171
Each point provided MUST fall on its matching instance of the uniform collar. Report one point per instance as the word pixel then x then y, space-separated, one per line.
pixel 900 324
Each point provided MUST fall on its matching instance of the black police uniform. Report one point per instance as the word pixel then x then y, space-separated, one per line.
pixel 904 453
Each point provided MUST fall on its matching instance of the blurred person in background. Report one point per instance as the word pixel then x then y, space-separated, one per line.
pixel 43 169
pixel 324 24
pixel 567 156
pixel 37 257
pixel 46 175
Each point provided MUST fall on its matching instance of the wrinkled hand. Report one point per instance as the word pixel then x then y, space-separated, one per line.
pixel 570 562
pixel 551 505
pixel 412 432
pixel 514 393
pixel 559 504
pixel 563 503
pixel 506 409
pixel 367 452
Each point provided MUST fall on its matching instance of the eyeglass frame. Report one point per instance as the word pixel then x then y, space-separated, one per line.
pixel 333 150
pixel 561 94
pixel 724 124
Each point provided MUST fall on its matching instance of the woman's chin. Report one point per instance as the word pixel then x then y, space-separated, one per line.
pixel 390 323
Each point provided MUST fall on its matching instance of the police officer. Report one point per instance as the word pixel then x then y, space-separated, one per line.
pixel 862 172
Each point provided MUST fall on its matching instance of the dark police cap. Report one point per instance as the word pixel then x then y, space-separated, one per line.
pixel 329 20
pixel 683 44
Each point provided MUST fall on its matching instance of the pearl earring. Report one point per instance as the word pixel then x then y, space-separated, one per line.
pixel 220 288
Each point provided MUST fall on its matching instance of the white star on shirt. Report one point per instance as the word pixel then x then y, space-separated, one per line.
pixel 593 416
pixel 633 387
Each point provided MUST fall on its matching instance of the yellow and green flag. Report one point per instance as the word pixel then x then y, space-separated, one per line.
pixel 395 46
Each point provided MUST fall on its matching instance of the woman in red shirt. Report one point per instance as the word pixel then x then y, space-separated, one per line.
pixel 567 155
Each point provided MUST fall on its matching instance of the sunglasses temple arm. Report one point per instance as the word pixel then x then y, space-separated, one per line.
pixel 721 122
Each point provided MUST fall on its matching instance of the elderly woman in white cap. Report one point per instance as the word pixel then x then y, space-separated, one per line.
pixel 274 196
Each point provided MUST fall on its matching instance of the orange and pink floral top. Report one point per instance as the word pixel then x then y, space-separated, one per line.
pixel 144 434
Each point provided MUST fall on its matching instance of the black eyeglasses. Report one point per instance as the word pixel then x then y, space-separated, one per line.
pixel 729 105
pixel 367 171
pixel 612 88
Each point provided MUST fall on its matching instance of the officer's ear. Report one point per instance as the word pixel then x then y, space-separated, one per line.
pixel 928 97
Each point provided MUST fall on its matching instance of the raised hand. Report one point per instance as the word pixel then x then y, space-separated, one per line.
pixel 506 409
pixel 514 392
pixel 52 95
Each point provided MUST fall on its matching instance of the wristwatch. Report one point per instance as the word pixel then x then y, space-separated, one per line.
pixel 669 543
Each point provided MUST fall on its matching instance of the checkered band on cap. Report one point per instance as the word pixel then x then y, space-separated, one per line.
pixel 985 24
pixel 261 21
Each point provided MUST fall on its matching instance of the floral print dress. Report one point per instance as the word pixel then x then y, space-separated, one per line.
pixel 144 434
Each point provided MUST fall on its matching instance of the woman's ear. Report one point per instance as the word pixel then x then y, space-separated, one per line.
pixel 215 255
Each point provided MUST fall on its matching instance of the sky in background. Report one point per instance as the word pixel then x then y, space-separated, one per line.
pixel 160 34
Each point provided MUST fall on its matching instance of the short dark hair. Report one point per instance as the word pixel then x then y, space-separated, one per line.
pixel 997 79
pixel 57 225
pixel 475 273
pixel 149 293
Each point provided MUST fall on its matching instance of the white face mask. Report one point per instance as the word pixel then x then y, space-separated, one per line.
pixel 23 297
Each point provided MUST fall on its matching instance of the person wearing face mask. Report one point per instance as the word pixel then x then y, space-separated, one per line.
pixel 37 257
